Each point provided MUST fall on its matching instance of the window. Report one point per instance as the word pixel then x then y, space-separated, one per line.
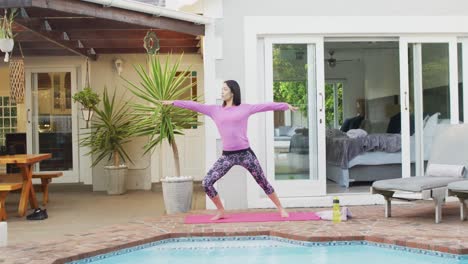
pixel 334 103
pixel 8 118
pixel 191 79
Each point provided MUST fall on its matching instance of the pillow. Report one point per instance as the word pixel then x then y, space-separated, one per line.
pixel 356 133
pixel 277 133
pixel 444 121
pixel 445 170
pixel 332 132
pixel 304 131
pixel 431 125
pixel 292 131
pixel 425 120
pixel 283 130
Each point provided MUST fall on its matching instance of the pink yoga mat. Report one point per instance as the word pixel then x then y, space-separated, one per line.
pixel 252 217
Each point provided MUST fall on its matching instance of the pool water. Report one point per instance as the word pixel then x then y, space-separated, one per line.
pixel 264 249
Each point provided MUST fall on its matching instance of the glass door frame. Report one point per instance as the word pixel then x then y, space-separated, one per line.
pixel 316 80
pixel 68 176
pixel 418 100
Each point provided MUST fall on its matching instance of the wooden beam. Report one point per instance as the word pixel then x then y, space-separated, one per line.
pixel 58 40
pixel 17 28
pixel 124 34
pixel 104 44
pixel 105 35
pixel 82 23
pixel 142 50
pixel 45 52
pixel 38 45
pixel 64 52
pixel 133 43
pixel 30 36
pixel 121 15
pixel 35 12
pixel 27 36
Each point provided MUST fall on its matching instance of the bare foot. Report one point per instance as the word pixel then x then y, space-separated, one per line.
pixel 284 213
pixel 219 215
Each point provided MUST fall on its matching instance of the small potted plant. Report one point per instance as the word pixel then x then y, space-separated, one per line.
pixel 112 127
pixel 162 123
pixel 88 99
pixel 6 32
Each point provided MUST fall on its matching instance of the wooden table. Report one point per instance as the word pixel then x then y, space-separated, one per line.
pixel 26 163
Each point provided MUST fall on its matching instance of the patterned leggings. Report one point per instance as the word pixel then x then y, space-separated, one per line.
pixel 245 158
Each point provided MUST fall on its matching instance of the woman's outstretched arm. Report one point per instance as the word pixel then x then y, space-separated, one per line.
pixel 191 105
pixel 256 108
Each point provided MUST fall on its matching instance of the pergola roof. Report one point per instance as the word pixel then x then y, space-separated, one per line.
pixel 73 27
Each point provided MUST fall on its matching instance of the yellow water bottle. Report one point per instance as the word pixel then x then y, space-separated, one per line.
pixel 336 217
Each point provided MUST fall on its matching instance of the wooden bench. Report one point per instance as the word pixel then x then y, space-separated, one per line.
pixel 46 178
pixel 7 184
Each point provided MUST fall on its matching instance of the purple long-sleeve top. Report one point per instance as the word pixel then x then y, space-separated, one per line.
pixel 231 121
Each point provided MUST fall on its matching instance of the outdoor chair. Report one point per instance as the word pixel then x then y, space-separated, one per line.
pixel 450 149
pixel 460 190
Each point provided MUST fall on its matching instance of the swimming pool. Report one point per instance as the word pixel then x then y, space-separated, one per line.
pixel 267 249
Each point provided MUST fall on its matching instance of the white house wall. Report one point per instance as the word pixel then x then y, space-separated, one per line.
pixel 345 8
pixel 337 18
pixel 381 73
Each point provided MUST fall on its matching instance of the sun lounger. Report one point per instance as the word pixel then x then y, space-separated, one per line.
pixel 450 148
pixel 460 190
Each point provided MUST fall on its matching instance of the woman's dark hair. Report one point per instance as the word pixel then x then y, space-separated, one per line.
pixel 235 90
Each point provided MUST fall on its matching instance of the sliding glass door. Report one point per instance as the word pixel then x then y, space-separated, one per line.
pixel 295 141
pixel 51 121
pixel 429 83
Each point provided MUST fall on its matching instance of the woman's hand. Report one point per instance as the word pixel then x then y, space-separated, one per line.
pixel 293 108
pixel 167 102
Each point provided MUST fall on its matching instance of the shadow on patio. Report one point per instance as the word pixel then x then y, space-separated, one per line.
pixel 76 208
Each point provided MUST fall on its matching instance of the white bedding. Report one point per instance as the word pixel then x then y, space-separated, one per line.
pixel 376 158
pixel 380 158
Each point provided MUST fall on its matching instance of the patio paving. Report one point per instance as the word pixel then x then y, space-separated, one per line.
pixel 412 225
pixel 74 208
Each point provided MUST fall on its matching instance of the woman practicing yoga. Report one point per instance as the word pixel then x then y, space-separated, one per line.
pixel 231 119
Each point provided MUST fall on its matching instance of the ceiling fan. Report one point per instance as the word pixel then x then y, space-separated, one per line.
pixel 332 61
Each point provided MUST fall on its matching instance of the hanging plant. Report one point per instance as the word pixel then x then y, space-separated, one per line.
pixel 6 32
pixel 6 24
pixel 88 99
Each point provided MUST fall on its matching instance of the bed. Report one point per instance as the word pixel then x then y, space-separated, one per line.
pixel 373 163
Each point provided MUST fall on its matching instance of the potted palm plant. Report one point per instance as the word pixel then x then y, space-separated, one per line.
pixel 164 81
pixel 88 99
pixel 6 32
pixel 112 127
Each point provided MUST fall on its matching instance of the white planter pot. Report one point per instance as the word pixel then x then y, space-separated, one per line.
pixel 6 45
pixel 116 179
pixel 177 193
pixel 87 114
